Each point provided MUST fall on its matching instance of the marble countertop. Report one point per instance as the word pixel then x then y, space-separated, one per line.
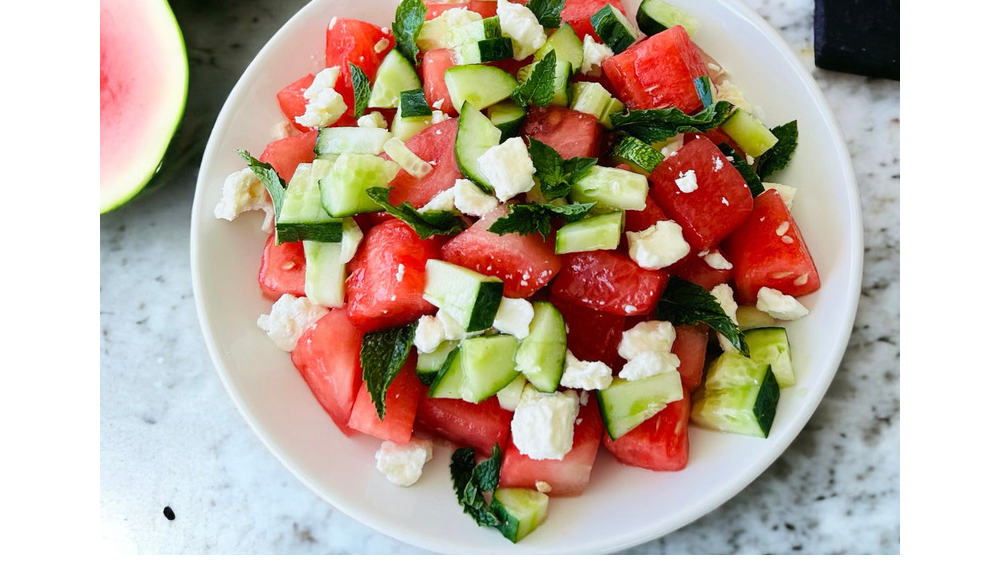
pixel 171 437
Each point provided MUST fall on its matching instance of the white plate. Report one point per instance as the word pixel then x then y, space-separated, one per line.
pixel 622 506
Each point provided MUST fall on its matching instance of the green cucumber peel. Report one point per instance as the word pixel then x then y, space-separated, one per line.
pixel 686 303
pixel 269 177
pixel 426 224
pixel 744 168
pixel 554 173
pixel 472 481
pixel 704 87
pixel 547 12
pixel 410 15
pixel 412 103
pixel 777 157
pixel 362 90
pixel 540 87
pixel 383 353
pixel 654 125
pixel 528 218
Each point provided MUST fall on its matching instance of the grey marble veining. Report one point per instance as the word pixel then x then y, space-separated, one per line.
pixel 170 436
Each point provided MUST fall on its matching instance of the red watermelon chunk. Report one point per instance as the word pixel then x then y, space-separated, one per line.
pixel 477 425
pixel 282 269
pixel 485 8
pixel 695 269
pixel 286 154
pixel 386 285
pixel 658 72
pixel 591 335
pixel 577 14
pixel 525 263
pixel 721 202
pixel 401 399
pixel 436 9
pixel 608 281
pixel 570 132
pixel 435 145
pixel 292 100
pixel 568 476
pixel 328 357
pixel 658 444
pixel 434 64
pixel 355 41
pixel 768 250
pixel 690 347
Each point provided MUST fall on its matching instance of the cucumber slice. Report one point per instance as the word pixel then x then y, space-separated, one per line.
pixel 749 133
pixel 486 28
pixel 600 232
pixel 770 346
pixel 592 98
pixel 507 116
pixel 432 32
pixel 655 16
pixel 641 157
pixel 476 134
pixel 480 85
pixel 542 353
pixel 342 183
pixel 567 45
pixel 611 189
pixel 626 404
pixel 613 28
pixel 302 215
pixel 406 126
pixel 429 364
pixel 749 316
pixel 484 51
pixel 520 511
pixel 325 273
pixel 562 82
pixel 740 396
pixel 487 365
pixel 511 394
pixel 469 297
pixel 350 140
pixel 449 380
pixel 394 75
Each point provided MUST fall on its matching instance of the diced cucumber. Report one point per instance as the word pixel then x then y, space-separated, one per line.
pixel 626 404
pixel 394 75
pixel 412 103
pixel 749 133
pixel 600 232
pixel 749 316
pixel 469 297
pixel 403 128
pixel 480 85
pixel 484 51
pixel 487 365
pixel 325 273
pixel 476 134
pixel 486 28
pixel 613 28
pixel 611 189
pixel 770 346
pixel 520 511
pixel 739 396
pixel 641 157
pixel 562 81
pixel 432 32
pixel 507 116
pixel 450 378
pixel 342 183
pixel 592 98
pixel 541 355
pixel 350 140
pixel 511 394
pixel 655 16
pixel 567 45
pixel 405 158
pixel 302 215
pixel 429 364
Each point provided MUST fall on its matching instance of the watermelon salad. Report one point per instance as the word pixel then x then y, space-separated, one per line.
pixel 532 230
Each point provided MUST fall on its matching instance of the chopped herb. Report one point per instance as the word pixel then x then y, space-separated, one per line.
pixel 362 90
pixel 744 168
pixel 527 218
pixel 778 156
pixel 426 224
pixel 383 353
pixel 555 174
pixel 267 176
pixel 686 303
pixel 547 12
pixel 472 481
pixel 654 125
pixel 539 88
pixel 410 16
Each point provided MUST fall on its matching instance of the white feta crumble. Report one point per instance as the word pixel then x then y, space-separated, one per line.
pixel 443 201
pixel 508 168
pixel 725 90
pixel 629 309
pixel 780 306
pixel 787 193
pixel 648 364
pixel 324 109
pixel 243 191
pixel 471 200
pixel 658 246
pixel 290 317
pixel 717 261
pixel 647 336
pixel 324 79
pixel 672 145
pixel 374 120
pixel 520 24
pixel 514 317
pixel 542 427
pixel 400 271
pixel 429 334
pixel 437 104
pixel 723 293
pixel 594 54
pixel 579 374
pixel 403 464
pixel 687 182
pixel 438 116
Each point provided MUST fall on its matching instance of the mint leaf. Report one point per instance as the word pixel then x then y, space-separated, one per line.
pixel 654 125
pixel 778 156
pixel 472 481
pixel 548 12
pixel 426 224
pixel 555 174
pixel 269 177
pixel 410 16
pixel 383 353
pixel 539 88
pixel 527 218
pixel 686 303
pixel 744 168
pixel 362 90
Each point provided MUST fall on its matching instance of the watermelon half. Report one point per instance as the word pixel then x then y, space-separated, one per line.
pixel 144 83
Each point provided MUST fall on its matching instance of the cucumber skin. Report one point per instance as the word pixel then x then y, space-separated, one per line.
pixel 766 405
pixel 487 303
pixel 520 511
pixel 544 376
pixel 606 25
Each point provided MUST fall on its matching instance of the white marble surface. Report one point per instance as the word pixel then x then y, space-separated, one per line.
pixel 170 436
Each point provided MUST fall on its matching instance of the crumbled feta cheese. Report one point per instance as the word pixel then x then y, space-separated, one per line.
pixel 243 191
pixel 780 306
pixel 471 200
pixel 324 80
pixel 437 104
pixel 647 336
pixel 648 364
pixel 290 317
pixel 429 334
pixel 673 144
pixel 373 120
pixel 520 24
pixel 542 427
pixel 723 293
pixel 324 109
pixel 725 90
pixel 400 271
pixel 594 54
pixel 508 168
pixel 687 182
pixel 717 261
pixel 629 309
pixel 658 246
pixel 443 201
pixel 579 374
pixel 403 464
pixel 513 317
pixel 787 193
pixel 439 116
